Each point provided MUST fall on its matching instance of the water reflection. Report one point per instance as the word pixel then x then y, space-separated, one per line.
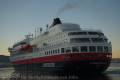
pixel 55 76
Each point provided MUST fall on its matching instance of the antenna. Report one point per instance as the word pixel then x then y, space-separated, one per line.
pixel 35 32
pixel 40 30
pixel 47 27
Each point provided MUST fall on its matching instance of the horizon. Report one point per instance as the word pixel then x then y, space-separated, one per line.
pixel 18 18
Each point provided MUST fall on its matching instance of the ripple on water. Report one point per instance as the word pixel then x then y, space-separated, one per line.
pixel 112 73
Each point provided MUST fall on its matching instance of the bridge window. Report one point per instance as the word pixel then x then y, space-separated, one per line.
pixel 92 48
pixel 78 40
pixel 93 33
pixel 77 33
pixel 84 49
pixel 99 48
pixel 75 49
pixel 97 39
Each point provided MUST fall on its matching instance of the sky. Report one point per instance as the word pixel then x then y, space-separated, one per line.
pixel 20 17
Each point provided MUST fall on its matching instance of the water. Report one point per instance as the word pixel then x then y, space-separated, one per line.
pixel 112 73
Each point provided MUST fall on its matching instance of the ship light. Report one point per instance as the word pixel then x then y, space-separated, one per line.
pixel 108 55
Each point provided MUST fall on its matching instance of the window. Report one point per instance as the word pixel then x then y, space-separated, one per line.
pixel 105 49
pixel 97 39
pixel 110 49
pixel 62 50
pixel 75 49
pixel 101 34
pixel 83 48
pixel 51 51
pixel 45 53
pixel 78 40
pixel 68 50
pixel 99 48
pixel 105 40
pixel 93 33
pixel 58 51
pixel 77 33
pixel 55 51
pixel 92 48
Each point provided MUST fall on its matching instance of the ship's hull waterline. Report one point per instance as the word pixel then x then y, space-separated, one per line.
pixel 77 67
pixel 76 62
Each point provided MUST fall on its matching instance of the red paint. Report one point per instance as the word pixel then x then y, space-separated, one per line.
pixel 66 57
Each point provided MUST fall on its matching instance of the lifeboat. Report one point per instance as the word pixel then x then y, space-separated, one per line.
pixel 23 48
pixel 26 47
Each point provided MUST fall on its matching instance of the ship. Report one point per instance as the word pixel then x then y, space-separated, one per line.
pixel 63 47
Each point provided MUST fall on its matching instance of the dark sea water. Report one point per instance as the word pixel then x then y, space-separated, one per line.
pixel 112 73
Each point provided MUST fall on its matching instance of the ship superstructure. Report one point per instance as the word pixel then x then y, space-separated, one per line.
pixel 64 46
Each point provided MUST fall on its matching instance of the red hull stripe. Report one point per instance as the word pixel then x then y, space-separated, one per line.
pixel 66 57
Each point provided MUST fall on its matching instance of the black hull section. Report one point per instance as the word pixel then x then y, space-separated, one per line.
pixel 70 66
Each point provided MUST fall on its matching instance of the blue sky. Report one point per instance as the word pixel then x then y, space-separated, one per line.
pixel 20 17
